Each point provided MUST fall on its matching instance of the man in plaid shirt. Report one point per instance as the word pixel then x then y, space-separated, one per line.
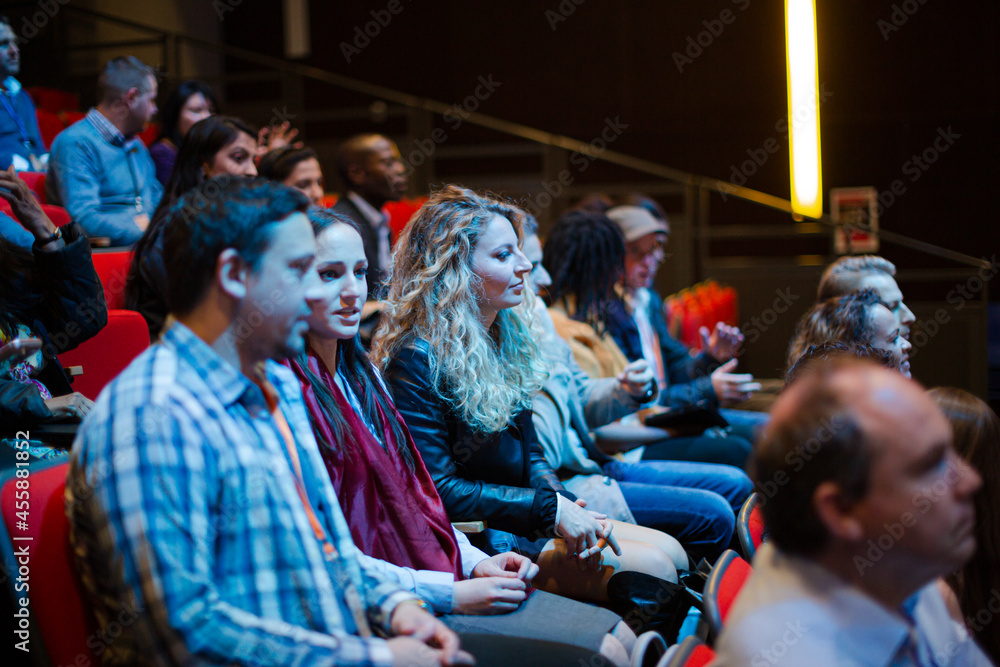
pixel 197 497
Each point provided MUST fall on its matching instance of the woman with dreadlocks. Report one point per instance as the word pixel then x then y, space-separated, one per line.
pixel 693 501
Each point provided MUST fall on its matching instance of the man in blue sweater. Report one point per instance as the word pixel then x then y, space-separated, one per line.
pixel 99 170
pixel 20 141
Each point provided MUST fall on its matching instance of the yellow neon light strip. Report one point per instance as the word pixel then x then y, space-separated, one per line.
pixel 803 107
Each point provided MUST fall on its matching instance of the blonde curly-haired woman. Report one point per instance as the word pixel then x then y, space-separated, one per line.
pixel 461 359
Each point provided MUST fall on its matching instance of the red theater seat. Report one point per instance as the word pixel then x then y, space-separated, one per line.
pixel 54 100
pixel 723 586
pixel 35 181
pixel 750 526
pixel 691 652
pixel 99 360
pixel 58 610
pixel 49 125
pixel 112 268
pixel 57 214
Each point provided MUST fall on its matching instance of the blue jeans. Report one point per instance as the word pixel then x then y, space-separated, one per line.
pixel 694 502
pixel 724 448
pixel 745 423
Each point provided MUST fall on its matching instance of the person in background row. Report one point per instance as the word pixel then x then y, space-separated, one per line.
pixel 51 293
pixel 214 146
pixel 850 274
pixel 872 506
pixel 189 102
pixel 693 503
pixel 637 324
pixel 21 144
pixel 297 168
pixel 100 171
pixel 585 256
pixel 976 430
pixel 388 498
pixel 196 493
pixel 859 317
pixel 372 174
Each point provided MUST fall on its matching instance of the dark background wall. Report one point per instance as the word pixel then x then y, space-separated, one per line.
pixel 701 86
pixel 891 88
pixel 697 86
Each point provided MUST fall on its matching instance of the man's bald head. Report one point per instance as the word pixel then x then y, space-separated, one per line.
pixel 833 425
pixel 355 151
pixel 370 165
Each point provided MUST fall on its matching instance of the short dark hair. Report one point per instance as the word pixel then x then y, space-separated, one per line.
pixel 280 163
pixel 224 212
pixel 170 112
pixel 844 275
pixel 585 255
pixel 121 75
pixel 820 441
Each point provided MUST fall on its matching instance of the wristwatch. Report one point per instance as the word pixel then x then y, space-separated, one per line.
pixel 55 236
pixel 648 395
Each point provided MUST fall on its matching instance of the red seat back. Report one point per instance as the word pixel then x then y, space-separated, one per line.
pixel 750 526
pixel 692 652
pixel 57 214
pixel 112 269
pixel 57 601
pixel 54 100
pixel 149 135
pixel 35 181
pixel 99 360
pixel 400 213
pixel 723 586
pixel 49 125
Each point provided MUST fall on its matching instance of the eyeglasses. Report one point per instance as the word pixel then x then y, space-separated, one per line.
pixel 640 251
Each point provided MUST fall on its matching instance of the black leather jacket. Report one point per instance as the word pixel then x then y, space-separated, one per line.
pixel 501 478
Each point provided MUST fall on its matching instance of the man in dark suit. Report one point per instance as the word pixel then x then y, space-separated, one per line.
pixel 373 174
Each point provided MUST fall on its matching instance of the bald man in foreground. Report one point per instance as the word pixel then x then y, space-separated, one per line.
pixel 868 506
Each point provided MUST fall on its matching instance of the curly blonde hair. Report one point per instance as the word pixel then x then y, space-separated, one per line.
pixel 486 377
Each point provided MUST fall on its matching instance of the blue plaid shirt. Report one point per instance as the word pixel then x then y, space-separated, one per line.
pixel 186 521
